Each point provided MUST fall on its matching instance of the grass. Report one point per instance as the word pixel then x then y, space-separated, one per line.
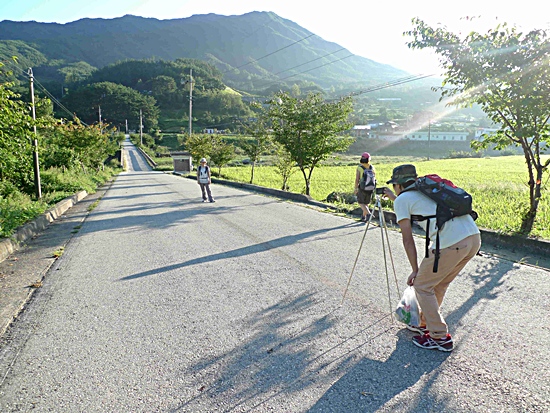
pixel 17 208
pixel 498 186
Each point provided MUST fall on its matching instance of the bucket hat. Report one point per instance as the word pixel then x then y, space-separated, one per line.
pixel 402 174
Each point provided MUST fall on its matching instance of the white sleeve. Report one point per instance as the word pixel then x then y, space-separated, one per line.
pixel 401 209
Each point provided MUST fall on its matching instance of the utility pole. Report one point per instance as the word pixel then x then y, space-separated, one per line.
pixel 190 101
pixel 36 164
pixel 126 120
pixel 100 125
pixel 429 133
pixel 140 127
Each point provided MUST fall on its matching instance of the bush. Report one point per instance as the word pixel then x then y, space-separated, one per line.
pixel 464 154
pixel 16 209
pixel 342 197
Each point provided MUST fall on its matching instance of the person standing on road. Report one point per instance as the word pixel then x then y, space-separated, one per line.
pixel 204 180
pixel 459 242
pixel 365 182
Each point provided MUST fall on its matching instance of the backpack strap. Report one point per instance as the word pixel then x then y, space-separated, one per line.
pixel 437 244
pixel 419 218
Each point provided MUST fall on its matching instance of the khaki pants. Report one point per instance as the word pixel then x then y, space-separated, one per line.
pixel 430 287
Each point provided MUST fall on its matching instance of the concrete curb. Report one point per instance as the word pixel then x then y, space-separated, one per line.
pixel 30 229
pixel 147 157
pixel 306 199
pixel 530 245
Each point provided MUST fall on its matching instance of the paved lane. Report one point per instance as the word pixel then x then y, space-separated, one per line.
pixel 163 303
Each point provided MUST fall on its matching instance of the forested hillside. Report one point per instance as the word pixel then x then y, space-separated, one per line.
pixel 237 45
pixel 233 58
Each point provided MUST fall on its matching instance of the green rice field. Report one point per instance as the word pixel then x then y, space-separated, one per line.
pixel 498 186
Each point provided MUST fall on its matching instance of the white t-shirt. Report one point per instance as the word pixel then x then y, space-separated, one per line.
pixel 455 230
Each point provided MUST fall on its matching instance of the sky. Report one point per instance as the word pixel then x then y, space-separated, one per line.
pixel 373 31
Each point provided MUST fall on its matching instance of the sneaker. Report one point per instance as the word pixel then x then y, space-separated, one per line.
pixel 418 329
pixel 204 200
pixel 427 342
pixel 212 200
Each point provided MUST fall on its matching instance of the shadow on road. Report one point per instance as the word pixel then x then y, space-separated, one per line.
pixel 279 359
pixel 275 364
pixel 239 252
pixel 370 384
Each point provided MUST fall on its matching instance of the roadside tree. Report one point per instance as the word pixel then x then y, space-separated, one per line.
pixel 507 73
pixel 199 146
pixel 308 128
pixel 255 147
pixel 284 165
pixel 16 162
pixel 72 145
pixel 222 152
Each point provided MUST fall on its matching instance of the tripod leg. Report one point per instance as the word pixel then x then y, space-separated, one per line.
pixel 383 220
pixel 382 227
pixel 356 258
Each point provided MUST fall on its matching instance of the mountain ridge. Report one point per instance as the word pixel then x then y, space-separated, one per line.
pixel 252 45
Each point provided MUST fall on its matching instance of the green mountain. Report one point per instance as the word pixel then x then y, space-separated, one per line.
pixel 253 51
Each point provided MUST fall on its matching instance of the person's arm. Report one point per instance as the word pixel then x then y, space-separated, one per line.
pixel 198 174
pixel 410 248
pixel 357 179
pixel 389 193
pixel 209 175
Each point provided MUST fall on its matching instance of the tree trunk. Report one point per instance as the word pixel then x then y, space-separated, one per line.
pixel 252 173
pixel 306 179
pixel 528 219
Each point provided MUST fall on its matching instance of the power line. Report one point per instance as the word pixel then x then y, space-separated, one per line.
pixel 386 85
pixel 303 64
pixel 269 54
pixel 326 64
pixel 46 91
pixel 306 71
pixel 57 102
pixel 392 83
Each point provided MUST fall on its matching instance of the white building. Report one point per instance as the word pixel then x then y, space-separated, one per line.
pixel 436 136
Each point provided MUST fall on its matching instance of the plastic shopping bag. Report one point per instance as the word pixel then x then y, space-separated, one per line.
pixel 408 310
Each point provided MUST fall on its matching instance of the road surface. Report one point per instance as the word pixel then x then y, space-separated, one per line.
pixel 163 303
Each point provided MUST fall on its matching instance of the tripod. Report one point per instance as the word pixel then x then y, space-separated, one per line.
pixel 383 231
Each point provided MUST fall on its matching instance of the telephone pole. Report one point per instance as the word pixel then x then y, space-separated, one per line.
pixel 429 133
pixel 36 164
pixel 140 127
pixel 100 125
pixel 190 101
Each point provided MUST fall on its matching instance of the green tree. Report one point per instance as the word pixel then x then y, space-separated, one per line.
pixel 76 72
pixel 507 73
pixel 284 165
pixel 71 144
pixel 198 145
pixel 164 89
pixel 222 152
pixel 255 147
pixel 118 103
pixel 308 128
pixel 16 134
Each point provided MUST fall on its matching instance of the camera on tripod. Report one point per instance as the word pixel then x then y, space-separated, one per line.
pixel 380 191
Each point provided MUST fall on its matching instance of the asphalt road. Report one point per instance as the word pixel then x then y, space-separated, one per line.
pixel 162 303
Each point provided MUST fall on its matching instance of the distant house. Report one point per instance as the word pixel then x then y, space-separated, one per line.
pixel 391 131
pixel 436 136
pixel 484 131
pixel 360 131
